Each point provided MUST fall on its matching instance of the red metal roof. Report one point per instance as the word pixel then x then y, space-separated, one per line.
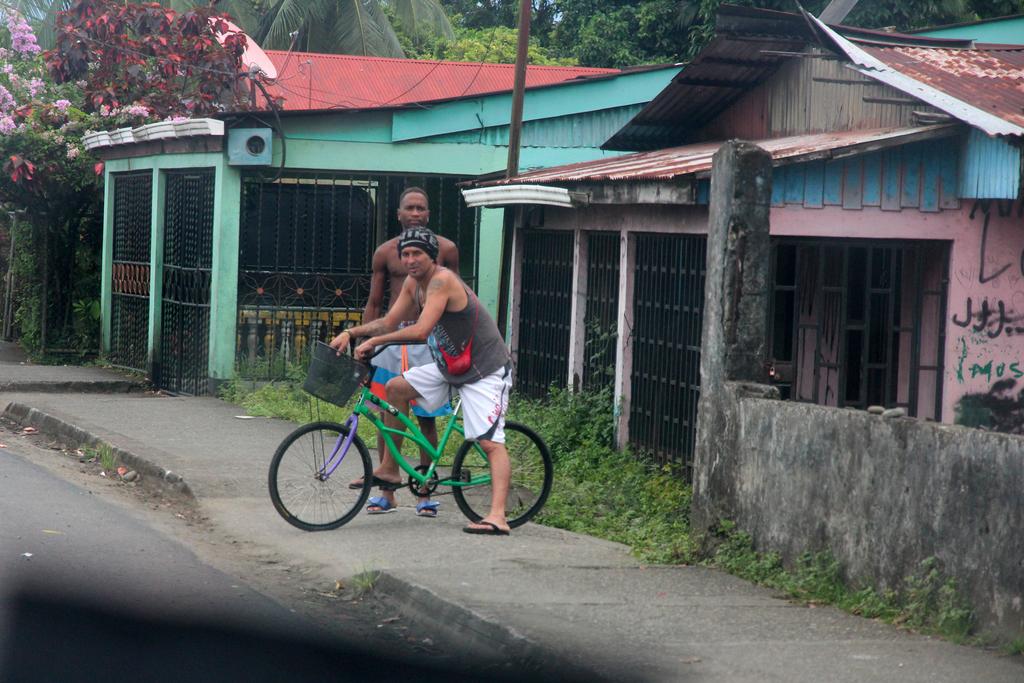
pixel 667 164
pixel 991 79
pixel 310 81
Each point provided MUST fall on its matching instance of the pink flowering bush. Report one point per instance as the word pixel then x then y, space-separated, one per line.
pixel 41 123
pixel 47 174
pixel 116 64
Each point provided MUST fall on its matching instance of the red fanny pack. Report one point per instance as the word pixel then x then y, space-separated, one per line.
pixel 461 363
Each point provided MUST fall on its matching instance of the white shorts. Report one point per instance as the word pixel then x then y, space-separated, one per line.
pixel 484 402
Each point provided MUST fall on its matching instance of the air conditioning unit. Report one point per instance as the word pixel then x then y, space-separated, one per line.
pixel 250 146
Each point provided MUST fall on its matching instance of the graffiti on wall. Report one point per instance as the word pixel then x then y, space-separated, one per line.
pixel 988 311
pixel 991 318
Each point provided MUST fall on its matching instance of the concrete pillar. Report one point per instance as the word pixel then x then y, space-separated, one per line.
pixel 578 312
pixel 735 316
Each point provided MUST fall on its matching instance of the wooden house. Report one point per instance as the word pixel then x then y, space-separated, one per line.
pixel 897 228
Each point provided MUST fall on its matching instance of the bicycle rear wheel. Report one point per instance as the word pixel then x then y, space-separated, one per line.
pixel 532 475
pixel 301 490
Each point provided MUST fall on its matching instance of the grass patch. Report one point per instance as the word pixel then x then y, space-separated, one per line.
pixel 600 491
pixel 1014 647
pixel 364 582
pixel 103 455
pixel 929 602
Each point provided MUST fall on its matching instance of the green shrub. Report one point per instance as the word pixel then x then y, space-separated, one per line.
pixel 616 495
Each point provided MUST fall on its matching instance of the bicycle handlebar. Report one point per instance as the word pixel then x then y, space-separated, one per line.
pixel 379 349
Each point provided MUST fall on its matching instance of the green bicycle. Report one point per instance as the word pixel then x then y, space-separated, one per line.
pixel 311 470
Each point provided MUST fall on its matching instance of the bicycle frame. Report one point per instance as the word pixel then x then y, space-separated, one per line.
pixel 410 432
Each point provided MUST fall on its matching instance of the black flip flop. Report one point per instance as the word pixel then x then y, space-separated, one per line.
pixel 495 530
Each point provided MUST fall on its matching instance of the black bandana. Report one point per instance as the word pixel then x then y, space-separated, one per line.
pixel 421 238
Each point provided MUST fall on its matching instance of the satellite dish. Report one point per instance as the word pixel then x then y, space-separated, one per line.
pixel 254 54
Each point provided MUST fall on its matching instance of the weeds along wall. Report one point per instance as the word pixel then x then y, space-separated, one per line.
pixel 883 494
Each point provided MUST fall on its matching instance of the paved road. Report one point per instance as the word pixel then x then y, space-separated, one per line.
pixel 92 587
pixel 58 537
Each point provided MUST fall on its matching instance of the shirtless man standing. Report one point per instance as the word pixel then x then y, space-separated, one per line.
pixel 389 275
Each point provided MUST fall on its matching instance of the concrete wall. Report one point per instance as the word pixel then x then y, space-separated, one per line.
pixel 882 494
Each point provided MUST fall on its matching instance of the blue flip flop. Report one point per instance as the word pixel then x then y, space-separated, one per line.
pixel 427 508
pixel 382 504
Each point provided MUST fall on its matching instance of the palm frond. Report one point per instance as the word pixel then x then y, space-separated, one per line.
pixel 421 16
pixel 362 28
pixel 285 16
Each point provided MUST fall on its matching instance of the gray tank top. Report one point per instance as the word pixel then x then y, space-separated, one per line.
pixel 454 331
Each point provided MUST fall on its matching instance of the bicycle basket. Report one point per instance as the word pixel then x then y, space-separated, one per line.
pixel 333 378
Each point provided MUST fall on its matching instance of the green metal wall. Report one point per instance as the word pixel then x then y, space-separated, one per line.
pixel 1009 30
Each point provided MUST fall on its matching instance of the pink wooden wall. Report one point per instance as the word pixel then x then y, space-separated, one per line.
pixel 985 306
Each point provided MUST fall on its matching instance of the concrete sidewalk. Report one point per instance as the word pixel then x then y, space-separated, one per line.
pixel 17 374
pixel 541 590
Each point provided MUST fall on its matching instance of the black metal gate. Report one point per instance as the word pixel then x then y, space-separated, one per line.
pixel 601 317
pixel 859 323
pixel 544 311
pixel 129 326
pixel 305 249
pixel 188 258
pixel 668 320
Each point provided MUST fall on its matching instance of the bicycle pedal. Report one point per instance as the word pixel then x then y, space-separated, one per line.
pixel 465 475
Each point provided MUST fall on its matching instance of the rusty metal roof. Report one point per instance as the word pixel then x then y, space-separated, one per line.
pixel 311 81
pixel 749 47
pixel 980 86
pixel 991 79
pixel 695 159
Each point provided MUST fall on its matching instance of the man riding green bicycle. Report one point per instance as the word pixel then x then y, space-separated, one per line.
pixel 470 356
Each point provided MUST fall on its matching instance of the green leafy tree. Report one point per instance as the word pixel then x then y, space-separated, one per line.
pixel 497 45
pixel 619 33
pixel 490 13
pixel 915 14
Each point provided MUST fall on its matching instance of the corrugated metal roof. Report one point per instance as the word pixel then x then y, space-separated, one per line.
pixel 723 71
pixel 750 46
pixel 977 76
pixel 311 81
pixel 672 163
pixel 988 79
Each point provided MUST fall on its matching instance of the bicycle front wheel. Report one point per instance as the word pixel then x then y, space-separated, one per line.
pixel 529 487
pixel 305 491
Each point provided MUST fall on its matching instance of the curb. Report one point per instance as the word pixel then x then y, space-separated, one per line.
pixel 76 437
pixel 487 638
pixel 116 386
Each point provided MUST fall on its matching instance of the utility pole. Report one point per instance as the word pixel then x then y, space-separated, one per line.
pixel 515 130
pixel 518 88
pixel 837 11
